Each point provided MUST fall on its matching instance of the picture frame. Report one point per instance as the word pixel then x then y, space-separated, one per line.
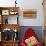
pixel 5 12
pixel 30 13
pixel 13 12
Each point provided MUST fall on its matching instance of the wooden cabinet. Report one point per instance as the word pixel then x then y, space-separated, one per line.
pixel 7 26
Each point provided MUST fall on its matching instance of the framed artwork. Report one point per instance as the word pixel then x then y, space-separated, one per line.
pixel 30 13
pixel 5 12
pixel 13 12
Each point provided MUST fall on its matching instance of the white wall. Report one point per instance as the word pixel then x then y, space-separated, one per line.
pixel 27 4
pixel 33 4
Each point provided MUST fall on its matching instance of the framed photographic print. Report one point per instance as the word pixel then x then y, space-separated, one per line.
pixel 5 12
pixel 30 13
pixel 13 12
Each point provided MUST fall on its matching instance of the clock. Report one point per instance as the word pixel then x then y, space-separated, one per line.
pixel 5 12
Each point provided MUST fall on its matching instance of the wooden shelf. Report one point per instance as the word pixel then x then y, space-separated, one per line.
pixel 10 26
pixel 9 43
pixel 5 8
pixel 8 11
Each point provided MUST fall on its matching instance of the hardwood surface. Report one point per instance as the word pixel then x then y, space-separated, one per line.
pixel 10 43
pixel 5 8
pixel 10 26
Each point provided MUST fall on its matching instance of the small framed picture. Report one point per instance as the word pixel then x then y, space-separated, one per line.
pixel 30 13
pixel 5 12
pixel 11 12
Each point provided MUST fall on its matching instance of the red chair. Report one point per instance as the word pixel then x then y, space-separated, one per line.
pixel 29 33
